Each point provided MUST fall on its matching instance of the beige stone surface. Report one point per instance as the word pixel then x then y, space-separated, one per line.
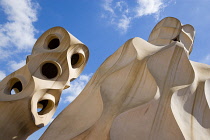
pixel 30 95
pixel 145 90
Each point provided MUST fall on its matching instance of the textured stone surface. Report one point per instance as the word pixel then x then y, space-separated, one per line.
pixel 30 95
pixel 145 90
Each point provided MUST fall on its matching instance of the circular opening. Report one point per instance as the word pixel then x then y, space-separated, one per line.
pixel 74 59
pixel 16 87
pixel 49 70
pixel 77 60
pixel 44 106
pixel 54 43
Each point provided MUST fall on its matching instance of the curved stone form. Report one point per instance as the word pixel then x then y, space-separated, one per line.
pixel 145 90
pixel 170 29
pixel 30 95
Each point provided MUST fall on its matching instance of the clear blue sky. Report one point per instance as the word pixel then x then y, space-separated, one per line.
pixel 103 25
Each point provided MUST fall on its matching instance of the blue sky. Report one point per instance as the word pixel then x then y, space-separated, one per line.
pixel 103 25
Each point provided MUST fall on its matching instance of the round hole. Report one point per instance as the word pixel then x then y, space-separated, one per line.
pixel 16 88
pixel 44 106
pixel 49 70
pixel 77 60
pixel 54 43
pixel 74 59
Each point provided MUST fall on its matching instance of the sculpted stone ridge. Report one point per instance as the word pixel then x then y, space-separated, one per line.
pixel 30 95
pixel 145 90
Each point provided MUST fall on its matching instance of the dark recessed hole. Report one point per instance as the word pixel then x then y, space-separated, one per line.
pixel 72 79
pixel 54 43
pixel 44 106
pixel 16 88
pixel 176 39
pixel 49 70
pixel 77 60
pixel 41 106
pixel 74 59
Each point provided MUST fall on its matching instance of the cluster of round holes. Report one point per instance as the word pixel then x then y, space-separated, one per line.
pixel 54 43
pixel 16 88
pixel 44 106
pixel 77 60
pixel 49 70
